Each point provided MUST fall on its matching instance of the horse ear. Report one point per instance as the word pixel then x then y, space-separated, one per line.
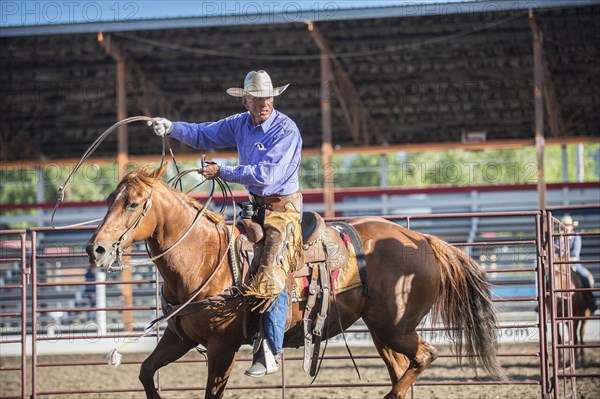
pixel 158 173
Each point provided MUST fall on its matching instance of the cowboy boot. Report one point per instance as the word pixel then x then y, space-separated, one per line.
pixel 259 365
pixel 264 362
pixel 272 273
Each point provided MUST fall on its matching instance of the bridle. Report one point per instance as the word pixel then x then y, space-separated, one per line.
pixel 116 248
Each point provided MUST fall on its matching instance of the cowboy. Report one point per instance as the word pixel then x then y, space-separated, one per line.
pixel 574 255
pixel 269 146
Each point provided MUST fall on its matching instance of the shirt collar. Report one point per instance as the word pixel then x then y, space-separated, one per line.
pixel 266 124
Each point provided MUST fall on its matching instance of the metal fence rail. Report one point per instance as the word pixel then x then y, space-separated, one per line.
pixel 518 267
pixel 13 257
pixel 563 323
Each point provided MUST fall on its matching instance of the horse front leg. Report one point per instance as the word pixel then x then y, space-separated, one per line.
pixel 221 358
pixel 169 349
pixel 578 331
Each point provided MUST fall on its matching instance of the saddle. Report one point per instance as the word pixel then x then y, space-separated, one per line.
pixel 320 244
pixel 323 251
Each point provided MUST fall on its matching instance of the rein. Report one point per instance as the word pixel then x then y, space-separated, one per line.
pixel 114 357
pixel 116 247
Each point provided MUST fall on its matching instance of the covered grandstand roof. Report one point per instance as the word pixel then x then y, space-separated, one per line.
pixel 422 76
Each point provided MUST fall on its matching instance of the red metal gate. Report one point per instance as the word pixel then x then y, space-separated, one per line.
pixel 531 257
pixel 560 290
pixel 73 258
pixel 13 298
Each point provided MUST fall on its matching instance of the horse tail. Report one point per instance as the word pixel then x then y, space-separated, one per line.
pixel 464 304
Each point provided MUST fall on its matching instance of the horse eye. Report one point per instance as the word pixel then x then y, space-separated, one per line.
pixel 133 205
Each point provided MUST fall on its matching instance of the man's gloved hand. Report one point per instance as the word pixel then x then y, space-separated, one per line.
pixel 161 126
pixel 211 171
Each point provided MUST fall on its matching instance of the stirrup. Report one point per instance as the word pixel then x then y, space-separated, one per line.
pixel 271 360
pixel 264 362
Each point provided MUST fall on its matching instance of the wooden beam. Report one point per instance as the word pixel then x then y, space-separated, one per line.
pixel 122 132
pixel 115 51
pixel 538 71
pixel 348 115
pixel 122 156
pixel 152 101
pixel 356 114
pixel 556 124
pixel 326 123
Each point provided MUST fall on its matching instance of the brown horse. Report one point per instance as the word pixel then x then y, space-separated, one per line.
pixel 564 280
pixel 408 273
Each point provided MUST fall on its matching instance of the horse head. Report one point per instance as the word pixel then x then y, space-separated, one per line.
pixel 130 218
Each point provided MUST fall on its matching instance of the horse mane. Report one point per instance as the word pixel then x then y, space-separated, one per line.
pixel 147 176
pixel 141 177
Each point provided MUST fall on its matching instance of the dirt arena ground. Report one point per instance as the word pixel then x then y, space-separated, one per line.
pixel 190 374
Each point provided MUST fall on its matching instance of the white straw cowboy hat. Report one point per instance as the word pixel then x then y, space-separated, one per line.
pixel 568 221
pixel 257 84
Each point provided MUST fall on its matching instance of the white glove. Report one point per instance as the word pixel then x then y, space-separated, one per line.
pixel 161 126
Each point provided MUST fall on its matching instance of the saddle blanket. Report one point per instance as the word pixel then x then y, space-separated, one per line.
pixel 343 279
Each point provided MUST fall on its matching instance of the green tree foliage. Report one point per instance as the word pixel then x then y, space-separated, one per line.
pixel 93 182
pixel 591 163
pixel 459 168
pixel 18 186
pixel 311 172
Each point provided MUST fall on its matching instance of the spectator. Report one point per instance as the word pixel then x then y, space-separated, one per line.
pixel 89 291
pixel 574 255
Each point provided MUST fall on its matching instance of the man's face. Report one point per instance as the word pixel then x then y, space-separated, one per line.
pixel 260 108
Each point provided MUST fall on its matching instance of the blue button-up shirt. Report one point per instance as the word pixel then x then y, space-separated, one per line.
pixel 269 153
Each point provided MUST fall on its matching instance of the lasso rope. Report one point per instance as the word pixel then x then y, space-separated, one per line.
pixel 88 153
pixel 114 357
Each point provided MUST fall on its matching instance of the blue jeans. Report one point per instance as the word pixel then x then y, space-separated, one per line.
pixel 274 322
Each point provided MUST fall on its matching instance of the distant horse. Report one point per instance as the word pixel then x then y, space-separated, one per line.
pixel 579 306
pixel 408 275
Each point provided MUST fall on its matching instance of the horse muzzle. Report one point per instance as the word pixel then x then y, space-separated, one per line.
pixel 100 255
